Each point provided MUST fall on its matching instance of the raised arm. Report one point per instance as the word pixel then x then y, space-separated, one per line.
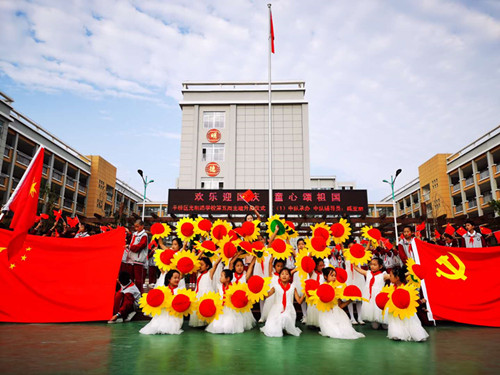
pixel 360 270
pixel 250 268
pixel 252 208
pixel 214 267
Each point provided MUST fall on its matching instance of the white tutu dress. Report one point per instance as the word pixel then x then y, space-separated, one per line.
pixel 354 277
pixel 229 322
pixel 370 310
pixel 164 323
pixel 204 285
pixel 336 324
pixel 406 329
pixel 269 302
pixel 312 311
pixel 279 320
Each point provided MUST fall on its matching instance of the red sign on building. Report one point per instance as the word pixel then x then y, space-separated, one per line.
pixel 214 136
pixel 212 169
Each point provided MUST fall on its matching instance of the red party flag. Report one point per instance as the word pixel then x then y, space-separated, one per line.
pixel 461 231
pixel 57 215
pixel 271 30
pixel 453 274
pixel 72 222
pixel 420 227
pixel 37 282
pixel 44 216
pixel 247 196
pixel 24 203
pixel 449 229
pixel 437 234
pixel 485 231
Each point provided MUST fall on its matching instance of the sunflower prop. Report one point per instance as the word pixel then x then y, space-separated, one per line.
pixel 357 254
pixel 258 287
pixel 291 232
pixel 403 301
pixel 353 293
pixel 202 226
pixel 326 297
pixel 163 259
pixel 275 222
pixel 321 230
pixel 372 234
pixel 340 231
pixel 308 286
pixel 209 307
pixel 237 298
pixel 183 303
pixel 245 246
pixel 341 275
pixel 415 273
pixel 304 263
pixel 258 250
pixel 185 262
pixel 227 248
pixel 185 229
pixel 220 229
pixel 280 249
pixel 208 248
pixel 382 298
pixel 160 230
pixel 250 230
pixel 318 246
pixel 151 303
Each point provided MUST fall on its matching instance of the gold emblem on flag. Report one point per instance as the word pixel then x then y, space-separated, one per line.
pixel 456 273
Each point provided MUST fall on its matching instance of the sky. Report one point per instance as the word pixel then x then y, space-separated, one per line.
pixel 391 82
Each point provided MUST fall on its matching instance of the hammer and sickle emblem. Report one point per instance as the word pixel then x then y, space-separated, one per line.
pixel 456 274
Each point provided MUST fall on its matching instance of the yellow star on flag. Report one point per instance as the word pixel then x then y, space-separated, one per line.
pixel 12 265
pixel 28 248
pixel 23 257
pixel 33 189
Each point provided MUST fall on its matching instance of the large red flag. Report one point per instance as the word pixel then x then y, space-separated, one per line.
pixel 24 203
pixel 60 279
pixel 460 283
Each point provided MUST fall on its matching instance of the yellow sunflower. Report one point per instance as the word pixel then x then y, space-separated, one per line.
pixel 258 287
pixel 326 297
pixel 160 230
pixel 403 301
pixel 185 229
pixel 321 230
pixel 202 226
pixel 183 303
pixel 273 222
pixel 151 303
pixel 227 249
pixel 219 230
pixel 259 250
pixel 318 247
pixel 208 248
pixel 413 269
pixel 185 262
pixel 209 307
pixel 340 231
pixel 290 230
pixel 357 254
pixel 280 249
pixel 308 286
pixel 163 259
pixel 304 263
pixel 237 298
pixel 250 230
pixel 372 234
pixel 352 293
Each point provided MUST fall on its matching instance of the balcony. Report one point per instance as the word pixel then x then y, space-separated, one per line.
pixel 484 175
pixel 23 159
pixel 6 151
pixel 56 175
pixel 82 189
pixel 426 196
pixel 459 208
pixel 45 170
pixel 3 180
pixel 68 204
pixel 469 181
pixel 80 208
pixel 487 197
pixel 456 187
pixel 70 182
pixel 472 203
pixel 109 197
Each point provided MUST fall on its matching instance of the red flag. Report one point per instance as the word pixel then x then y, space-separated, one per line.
pixel 452 275
pixel 497 235
pixel 271 31
pixel 247 196
pixel 57 215
pixel 485 231
pixel 437 234
pixel 449 229
pixel 59 280
pixel 44 216
pixel 461 231
pixel 73 222
pixel 420 227
pixel 24 203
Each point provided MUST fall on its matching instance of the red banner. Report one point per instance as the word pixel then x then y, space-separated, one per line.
pixel 59 279
pixel 461 283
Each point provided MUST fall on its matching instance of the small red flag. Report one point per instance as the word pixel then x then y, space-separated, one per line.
pixel 420 227
pixel 57 215
pixel 73 222
pixel 449 230
pixel 272 31
pixel 247 196
pixel 437 234
pixel 485 231
pixel 461 231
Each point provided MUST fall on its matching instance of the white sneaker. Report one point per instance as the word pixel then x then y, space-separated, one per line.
pixel 119 320
pixel 354 322
pixel 303 320
pixel 360 321
pixel 130 316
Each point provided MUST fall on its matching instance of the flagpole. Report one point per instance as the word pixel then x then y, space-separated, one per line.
pixel 270 129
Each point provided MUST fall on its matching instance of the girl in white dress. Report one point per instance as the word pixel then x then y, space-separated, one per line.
pixel 229 321
pixel 357 279
pixel 240 276
pixel 277 265
pixel 176 246
pixel 165 323
pixel 375 280
pixel 404 329
pixel 282 315
pixel 204 284
pixel 312 311
pixel 335 323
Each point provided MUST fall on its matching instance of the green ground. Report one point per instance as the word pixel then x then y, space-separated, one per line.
pixel 120 349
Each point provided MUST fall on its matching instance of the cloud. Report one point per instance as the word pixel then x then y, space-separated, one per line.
pixel 389 83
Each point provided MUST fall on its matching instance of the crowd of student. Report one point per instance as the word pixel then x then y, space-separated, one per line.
pixel 386 267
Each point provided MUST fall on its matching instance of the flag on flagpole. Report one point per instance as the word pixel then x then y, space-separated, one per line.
pixel 247 196
pixel 271 31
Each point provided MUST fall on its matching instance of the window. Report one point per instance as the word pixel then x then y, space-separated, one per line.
pixel 212 183
pixel 213 120
pixel 212 152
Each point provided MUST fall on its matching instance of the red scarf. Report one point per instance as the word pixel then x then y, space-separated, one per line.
pixel 285 289
pixel 171 289
pixel 276 274
pixel 317 277
pixel 471 239
pixel 372 281
pixel 238 277
pixel 198 280
pixel 262 265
